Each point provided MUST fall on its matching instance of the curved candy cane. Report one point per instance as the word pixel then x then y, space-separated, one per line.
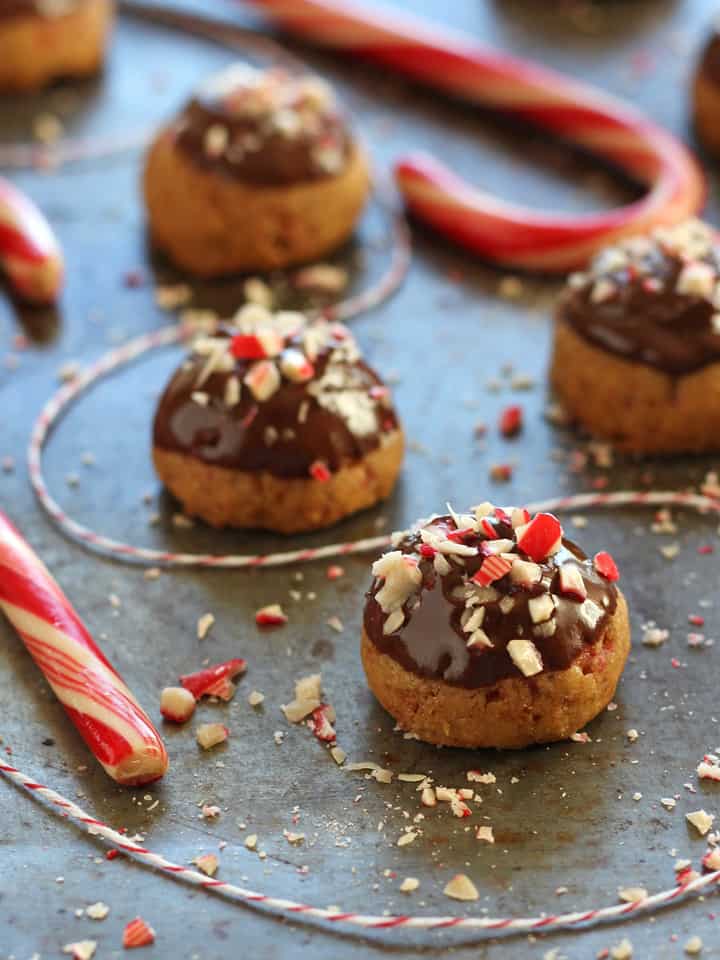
pixel 107 715
pixel 29 253
pixel 509 234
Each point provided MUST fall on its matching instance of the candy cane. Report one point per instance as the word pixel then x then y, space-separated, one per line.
pixel 496 230
pixel 107 715
pixel 29 252
pixel 291 909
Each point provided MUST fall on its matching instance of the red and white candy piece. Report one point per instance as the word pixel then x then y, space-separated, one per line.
pixel 215 681
pixel 541 537
pixel 262 345
pixel 138 933
pixel 319 471
pixel 511 421
pixel 177 704
pixel 572 584
pixel 606 566
pixel 271 616
pixel 452 63
pixel 295 366
pixel 492 569
pixel 29 253
pixel 263 379
pixel 321 723
pixel 108 717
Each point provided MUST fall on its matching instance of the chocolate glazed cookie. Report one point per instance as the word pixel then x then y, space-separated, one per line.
pixel 258 171
pixel 278 423
pixel 489 629
pixel 46 40
pixel 636 356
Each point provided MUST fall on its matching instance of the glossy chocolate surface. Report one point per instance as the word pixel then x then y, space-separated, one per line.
pixel 432 643
pixel 265 127
pixel 335 418
pixel 637 305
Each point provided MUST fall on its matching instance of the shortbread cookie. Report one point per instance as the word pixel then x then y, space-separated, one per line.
pixel 277 422
pixel 46 40
pixel 258 171
pixel 489 629
pixel 636 357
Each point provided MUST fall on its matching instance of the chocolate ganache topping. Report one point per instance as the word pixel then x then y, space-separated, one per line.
pixel 652 299
pixel 40 8
pixel 275 392
pixel 475 598
pixel 709 65
pixel 267 127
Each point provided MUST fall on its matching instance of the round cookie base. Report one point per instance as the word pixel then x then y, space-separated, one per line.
pixel 35 51
pixel 635 407
pixel 513 713
pixel 224 497
pixel 706 110
pixel 211 224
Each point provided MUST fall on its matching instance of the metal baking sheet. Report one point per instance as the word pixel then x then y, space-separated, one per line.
pixel 564 817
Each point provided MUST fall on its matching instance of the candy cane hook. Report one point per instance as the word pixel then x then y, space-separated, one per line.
pixel 29 253
pixel 499 231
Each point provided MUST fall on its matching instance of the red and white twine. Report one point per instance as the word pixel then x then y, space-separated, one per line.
pixel 166 336
pixel 292 909
pixel 107 546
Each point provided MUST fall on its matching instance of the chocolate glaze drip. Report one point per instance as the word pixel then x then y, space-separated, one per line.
pixel 270 436
pixel 261 147
pixel 431 643
pixel 660 327
pixel 709 65
pixel 28 8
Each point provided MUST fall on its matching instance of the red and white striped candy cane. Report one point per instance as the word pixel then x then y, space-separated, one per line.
pixel 499 231
pixel 107 715
pixel 29 253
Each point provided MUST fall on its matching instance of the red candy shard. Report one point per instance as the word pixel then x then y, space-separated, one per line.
pixel 320 723
pixel 489 529
pixel 457 536
pixel 138 933
pixel 511 421
pixel 541 537
pixel 605 566
pixel 271 616
pixel 493 568
pixel 319 471
pixel 427 551
pixel 256 346
pixel 502 516
pixel 214 681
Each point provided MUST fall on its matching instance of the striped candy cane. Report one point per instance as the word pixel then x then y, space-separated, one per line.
pixel 496 230
pixel 109 718
pixel 29 252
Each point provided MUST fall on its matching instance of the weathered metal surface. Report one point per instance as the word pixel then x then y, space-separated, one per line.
pixel 569 820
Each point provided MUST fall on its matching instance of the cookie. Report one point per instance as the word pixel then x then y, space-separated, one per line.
pixel 276 422
pixel 636 355
pixel 259 171
pixel 46 40
pixel 490 629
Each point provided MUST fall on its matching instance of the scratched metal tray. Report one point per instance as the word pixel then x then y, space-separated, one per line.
pixel 563 816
